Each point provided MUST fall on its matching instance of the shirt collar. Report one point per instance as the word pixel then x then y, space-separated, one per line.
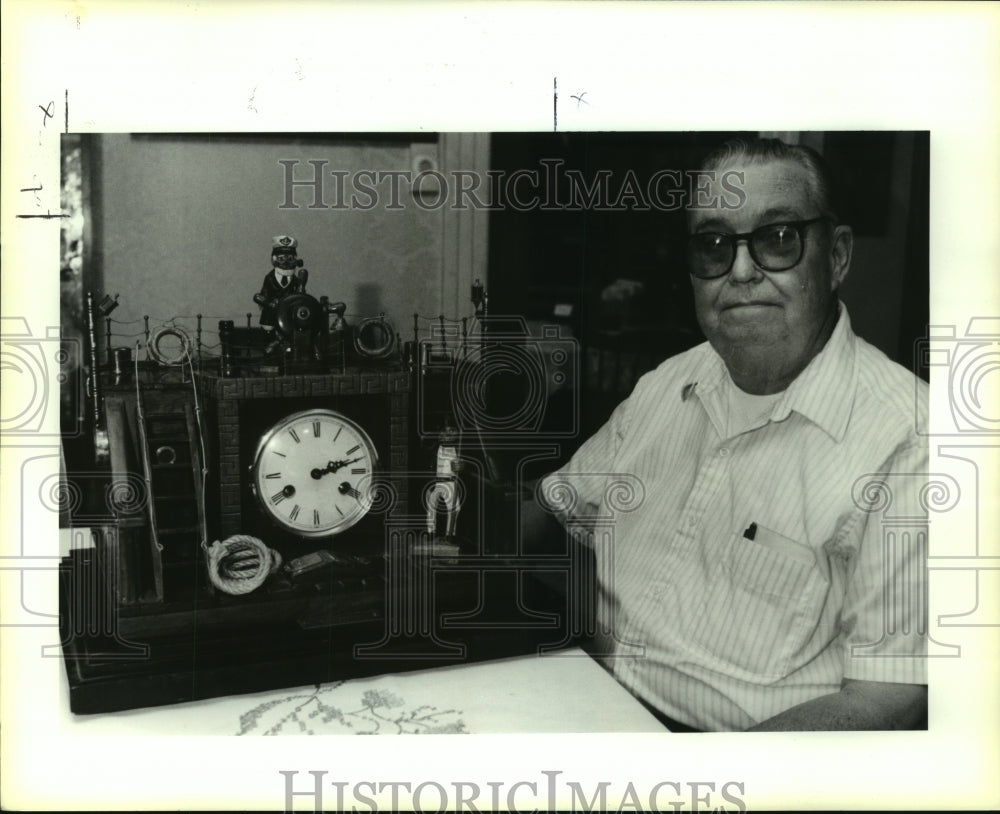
pixel 823 392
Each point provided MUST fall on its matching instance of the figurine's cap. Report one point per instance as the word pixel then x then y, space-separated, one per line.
pixel 284 242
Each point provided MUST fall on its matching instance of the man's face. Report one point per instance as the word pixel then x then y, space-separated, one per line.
pixel 767 326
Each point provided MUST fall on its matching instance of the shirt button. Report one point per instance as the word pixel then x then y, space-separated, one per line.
pixel 692 521
pixel 724 452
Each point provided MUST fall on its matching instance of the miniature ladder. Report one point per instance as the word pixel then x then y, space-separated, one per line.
pixel 171 463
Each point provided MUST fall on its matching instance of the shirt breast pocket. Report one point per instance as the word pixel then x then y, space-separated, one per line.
pixel 767 594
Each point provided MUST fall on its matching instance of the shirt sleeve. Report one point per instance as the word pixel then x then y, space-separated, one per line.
pixel 577 490
pixel 885 605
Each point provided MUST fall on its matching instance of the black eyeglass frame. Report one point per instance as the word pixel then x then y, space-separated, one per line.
pixel 747 237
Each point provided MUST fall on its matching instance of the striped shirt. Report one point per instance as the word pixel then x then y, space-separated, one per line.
pixel 720 631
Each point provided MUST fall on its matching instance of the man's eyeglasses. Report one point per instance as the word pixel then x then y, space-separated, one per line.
pixel 774 247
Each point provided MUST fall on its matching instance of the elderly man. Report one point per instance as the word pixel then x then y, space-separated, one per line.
pixel 752 586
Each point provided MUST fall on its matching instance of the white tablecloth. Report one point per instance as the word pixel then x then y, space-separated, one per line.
pixel 564 692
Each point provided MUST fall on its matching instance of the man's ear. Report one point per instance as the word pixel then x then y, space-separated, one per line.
pixel 841 251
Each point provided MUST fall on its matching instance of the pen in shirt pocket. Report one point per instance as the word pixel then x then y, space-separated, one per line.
pixel 763 537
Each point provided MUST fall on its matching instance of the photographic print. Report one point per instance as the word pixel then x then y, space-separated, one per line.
pixel 594 433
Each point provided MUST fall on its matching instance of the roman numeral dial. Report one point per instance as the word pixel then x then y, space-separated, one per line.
pixel 312 473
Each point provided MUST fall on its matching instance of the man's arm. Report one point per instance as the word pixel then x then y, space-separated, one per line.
pixel 542 530
pixel 859 705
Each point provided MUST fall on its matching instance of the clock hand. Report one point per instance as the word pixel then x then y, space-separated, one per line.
pixel 332 466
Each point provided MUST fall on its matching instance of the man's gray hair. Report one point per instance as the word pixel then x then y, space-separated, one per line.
pixel 762 150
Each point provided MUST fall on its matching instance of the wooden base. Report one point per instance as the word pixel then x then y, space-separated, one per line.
pixel 474 616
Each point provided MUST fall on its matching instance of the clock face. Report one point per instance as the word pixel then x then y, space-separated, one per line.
pixel 312 473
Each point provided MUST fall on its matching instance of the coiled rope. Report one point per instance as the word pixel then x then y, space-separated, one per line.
pixel 240 564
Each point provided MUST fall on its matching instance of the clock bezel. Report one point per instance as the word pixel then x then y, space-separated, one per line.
pixel 282 425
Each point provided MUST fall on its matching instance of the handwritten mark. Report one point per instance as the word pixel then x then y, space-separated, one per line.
pixel 48 214
pixel 50 112
pixel 579 99
pixel 555 103
pixel 36 190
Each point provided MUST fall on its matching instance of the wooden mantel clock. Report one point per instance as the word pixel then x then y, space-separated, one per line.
pixel 312 464
pixel 285 459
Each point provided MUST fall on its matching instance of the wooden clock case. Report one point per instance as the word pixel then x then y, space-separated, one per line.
pixel 142 623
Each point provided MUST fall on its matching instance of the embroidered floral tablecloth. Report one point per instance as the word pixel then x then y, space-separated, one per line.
pixel 564 692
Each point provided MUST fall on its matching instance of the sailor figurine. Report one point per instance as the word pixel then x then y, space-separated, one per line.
pixel 285 277
pixel 444 497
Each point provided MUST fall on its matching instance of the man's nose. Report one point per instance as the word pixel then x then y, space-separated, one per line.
pixel 744 269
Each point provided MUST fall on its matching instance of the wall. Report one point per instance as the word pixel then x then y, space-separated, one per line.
pixel 874 289
pixel 185 226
